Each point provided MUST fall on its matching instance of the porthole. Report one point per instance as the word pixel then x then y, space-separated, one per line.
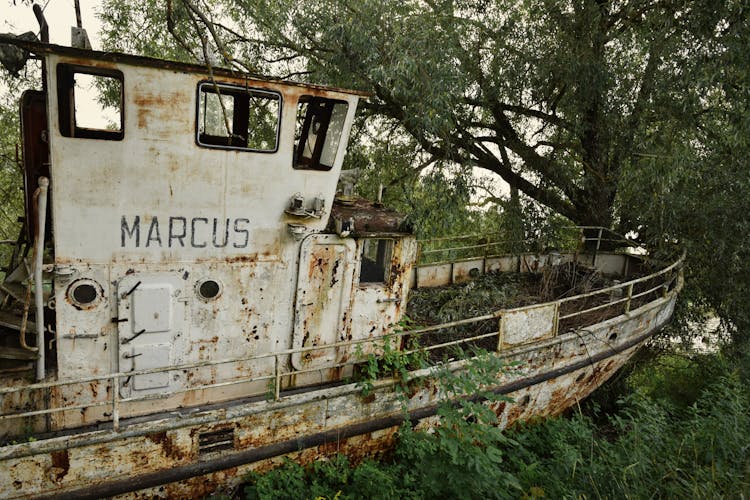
pixel 84 294
pixel 208 289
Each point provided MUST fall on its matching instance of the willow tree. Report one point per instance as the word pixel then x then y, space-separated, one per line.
pixel 608 112
pixel 554 96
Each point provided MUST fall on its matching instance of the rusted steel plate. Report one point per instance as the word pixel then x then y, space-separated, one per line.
pixel 504 264
pixel 368 217
pixel 528 324
pixel 433 275
pixel 467 270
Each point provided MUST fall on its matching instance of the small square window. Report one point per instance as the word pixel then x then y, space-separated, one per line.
pixel 90 102
pixel 320 124
pixel 376 260
pixel 238 117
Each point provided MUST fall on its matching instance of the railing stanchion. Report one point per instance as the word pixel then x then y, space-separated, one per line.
pixel 116 403
pixel 630 297
pixel 598 245
pixel 277 383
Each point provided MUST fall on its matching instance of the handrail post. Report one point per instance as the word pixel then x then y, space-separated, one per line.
pixel 556 320
pixel 116 403
pixel 598 245
pixel 630 297
pixel 277 383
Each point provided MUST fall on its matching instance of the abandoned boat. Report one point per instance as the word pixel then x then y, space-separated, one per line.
pixel 189 299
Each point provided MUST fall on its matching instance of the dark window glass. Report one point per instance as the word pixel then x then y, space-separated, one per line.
pixel 376 260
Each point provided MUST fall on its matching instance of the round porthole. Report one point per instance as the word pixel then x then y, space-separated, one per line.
pixel 84 294
pixel 208 289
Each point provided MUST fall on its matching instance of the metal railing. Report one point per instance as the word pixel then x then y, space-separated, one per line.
pixel 492 244
pixel 627 294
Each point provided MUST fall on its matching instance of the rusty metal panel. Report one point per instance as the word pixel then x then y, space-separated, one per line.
pixel 433 275
pixel 611 264
pixel 504 264
pixel 324 287
pixel 151 331
pixel 527 324
pixel 378 307
pixel 467 270
pixel 532 263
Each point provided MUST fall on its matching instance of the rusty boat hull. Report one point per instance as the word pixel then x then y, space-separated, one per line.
pixel 192 452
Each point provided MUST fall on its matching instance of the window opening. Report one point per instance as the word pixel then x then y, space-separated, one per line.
pixel 238 118
pixel 376 259
pixel 320 124
pixel 90 102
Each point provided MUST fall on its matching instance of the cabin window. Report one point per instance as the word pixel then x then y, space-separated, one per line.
pixel 376 260
pixel 320 124
pixel 233 117
pixel 90 102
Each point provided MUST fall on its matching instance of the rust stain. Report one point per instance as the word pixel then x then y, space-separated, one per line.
pixel 163 440
pixel 60 464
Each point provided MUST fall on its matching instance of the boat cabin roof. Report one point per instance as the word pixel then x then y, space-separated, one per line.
pixel 87 56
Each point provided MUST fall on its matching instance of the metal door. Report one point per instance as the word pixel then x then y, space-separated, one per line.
pixel 322 307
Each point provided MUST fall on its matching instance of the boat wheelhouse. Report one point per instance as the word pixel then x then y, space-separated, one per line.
pixel 190 299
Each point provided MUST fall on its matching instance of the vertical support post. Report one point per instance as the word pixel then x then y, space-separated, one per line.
pixel 598 245
pixel 500 336
pixel 556 320
pixel 630 297
pixel 277 382
pixel 116 403
pixel 41 205
pixel 484 257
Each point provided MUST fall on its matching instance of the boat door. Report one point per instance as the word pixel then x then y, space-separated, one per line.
pixel 322 306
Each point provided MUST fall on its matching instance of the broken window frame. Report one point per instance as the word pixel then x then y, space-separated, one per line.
pixel 384 253
pixel 323 109
pixel 240 118
pixel 66 102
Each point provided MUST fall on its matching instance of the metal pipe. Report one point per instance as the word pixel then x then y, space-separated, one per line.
pixel 78 14
pixel 38 263
pixel 43 27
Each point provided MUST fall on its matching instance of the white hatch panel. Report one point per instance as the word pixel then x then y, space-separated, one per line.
pixel 155 356
pixel 152 308
pixel 151 331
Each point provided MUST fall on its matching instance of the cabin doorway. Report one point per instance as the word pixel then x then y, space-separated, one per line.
pixel 322 307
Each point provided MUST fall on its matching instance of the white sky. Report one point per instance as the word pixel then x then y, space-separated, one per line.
pixel 60 15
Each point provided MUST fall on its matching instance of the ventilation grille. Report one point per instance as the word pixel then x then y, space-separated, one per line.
pixel 212 441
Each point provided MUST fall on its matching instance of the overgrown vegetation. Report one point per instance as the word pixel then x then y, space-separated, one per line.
pixel 662 441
